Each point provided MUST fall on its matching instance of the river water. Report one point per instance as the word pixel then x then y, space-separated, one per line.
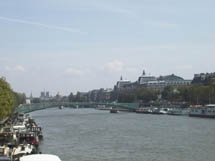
pixel 93 135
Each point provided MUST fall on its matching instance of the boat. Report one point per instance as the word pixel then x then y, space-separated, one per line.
pixel 114 111
pixel 19 127
pixel 156 111
pixel 60 107
pixel 103 107
pixel 4 158
pixel 144 110
pixel 7 137
pixel 4 151
pixel 22 150
pixel 20 116
pixel 207 111
pixel 177 111
pixel 164 111
pixel 29 138
pixel 40 157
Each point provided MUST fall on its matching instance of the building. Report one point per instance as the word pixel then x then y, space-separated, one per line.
pixel 44 96
pixel 28 101
pixel 121 84
pixel 170 80
pixel 47 94
pixel 100 95
pixel 152 82
pixel 203 78
pixel 173 80
pixel 143 79
pixel 156 85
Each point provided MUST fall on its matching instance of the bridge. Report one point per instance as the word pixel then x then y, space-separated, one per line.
pixel 41 106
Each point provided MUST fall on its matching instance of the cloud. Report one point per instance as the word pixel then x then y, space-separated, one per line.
pixel 16 68
pixel 74 71
pixel 118 66
pixel 7 68
pixel 114 66
pixel 163 24
pixel 19 68
pixel 67 29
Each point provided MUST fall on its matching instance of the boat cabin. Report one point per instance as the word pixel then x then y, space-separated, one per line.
pixel 28 138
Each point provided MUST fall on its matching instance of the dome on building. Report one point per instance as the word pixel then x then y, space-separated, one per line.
pixel 171 77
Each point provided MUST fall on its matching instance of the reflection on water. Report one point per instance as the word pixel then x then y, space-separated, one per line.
pixel 92 135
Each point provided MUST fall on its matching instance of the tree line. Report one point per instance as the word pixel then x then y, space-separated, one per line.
pixel 9 99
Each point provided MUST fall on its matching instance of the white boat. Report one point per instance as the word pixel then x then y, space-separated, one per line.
pixel 103 107
pixel 114 111
pixel 60 107
pixel 4 151
pixel 164 111
pixel 22 150
pixel 19 127
pixel 156 111
pixel 40 157
pixel 207 111
pixel 20 116
pixel 145 110
pixel 177 111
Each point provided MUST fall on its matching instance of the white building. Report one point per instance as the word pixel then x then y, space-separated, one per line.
pixel 161 82
pixel 121 83
pixel 28 101
pixel 143 79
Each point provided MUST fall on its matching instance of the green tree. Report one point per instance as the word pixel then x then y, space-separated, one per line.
pixel 20 98
pixel 7 99
pixel 212 87
pixel 36 100
pixel 167 93
pixel 126 97
pixel 146 94
pixel 184 93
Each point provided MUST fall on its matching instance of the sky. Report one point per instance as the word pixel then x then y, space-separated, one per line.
pixel 79 45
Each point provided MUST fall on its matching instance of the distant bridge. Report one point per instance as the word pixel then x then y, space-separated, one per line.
pixel 41 106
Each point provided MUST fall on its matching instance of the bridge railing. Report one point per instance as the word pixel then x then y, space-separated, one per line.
pixel 40 106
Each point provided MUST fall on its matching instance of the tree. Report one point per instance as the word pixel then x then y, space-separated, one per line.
pixel 167 93
pixel 184 93
pixel 126 97
pixel 146 95
pixel 212 87
pixel 7 99
pixel 36 100
pixel 20 98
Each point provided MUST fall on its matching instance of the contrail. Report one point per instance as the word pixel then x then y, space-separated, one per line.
pixel 67 29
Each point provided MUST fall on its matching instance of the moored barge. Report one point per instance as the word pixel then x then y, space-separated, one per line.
pixel 207 111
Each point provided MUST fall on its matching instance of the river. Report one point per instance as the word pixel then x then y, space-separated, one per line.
pixel 93 135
